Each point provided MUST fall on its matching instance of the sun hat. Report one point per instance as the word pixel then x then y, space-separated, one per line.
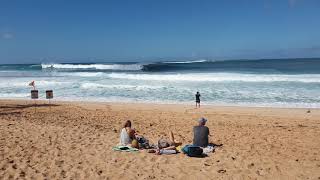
pixel 202 120
pixel 163 143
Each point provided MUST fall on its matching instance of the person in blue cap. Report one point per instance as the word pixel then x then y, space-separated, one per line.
pixel 201 133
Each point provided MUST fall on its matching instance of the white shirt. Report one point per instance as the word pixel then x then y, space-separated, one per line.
pixel 124 138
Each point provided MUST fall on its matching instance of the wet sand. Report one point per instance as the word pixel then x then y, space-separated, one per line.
pixel 74 140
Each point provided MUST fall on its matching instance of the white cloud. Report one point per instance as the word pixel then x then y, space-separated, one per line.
pixel 7 35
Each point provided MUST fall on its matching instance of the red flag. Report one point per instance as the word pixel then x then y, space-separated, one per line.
pixel 32 84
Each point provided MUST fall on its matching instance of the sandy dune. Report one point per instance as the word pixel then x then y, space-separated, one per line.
pixel 74 141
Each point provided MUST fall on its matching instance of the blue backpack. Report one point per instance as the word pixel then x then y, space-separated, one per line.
pixel 192 151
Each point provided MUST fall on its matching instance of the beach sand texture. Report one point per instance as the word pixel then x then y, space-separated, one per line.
pixel 74 141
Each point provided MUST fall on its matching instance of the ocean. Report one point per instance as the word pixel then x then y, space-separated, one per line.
pixel 262 83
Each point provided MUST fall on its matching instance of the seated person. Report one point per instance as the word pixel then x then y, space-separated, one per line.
pixel 201 133
pixel 127 135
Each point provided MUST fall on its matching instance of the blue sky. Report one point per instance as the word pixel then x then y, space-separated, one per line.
pixel 78 31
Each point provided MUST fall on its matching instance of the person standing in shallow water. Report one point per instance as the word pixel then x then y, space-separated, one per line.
pixel 198 99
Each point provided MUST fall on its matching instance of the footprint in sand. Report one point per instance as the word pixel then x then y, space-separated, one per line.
pixel 222 171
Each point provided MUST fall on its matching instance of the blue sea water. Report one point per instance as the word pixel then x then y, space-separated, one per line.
pixel 269 82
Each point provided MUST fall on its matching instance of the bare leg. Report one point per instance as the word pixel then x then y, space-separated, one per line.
pixel 173 141
pixel 171 136
pixel 170 148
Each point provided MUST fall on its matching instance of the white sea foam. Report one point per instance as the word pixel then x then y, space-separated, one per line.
pixel 186 62
pixel 14 95
pixel 119 86
pixel 50 83
pixel 220 77
pixel 126 67
pixel 22 83
pixel 13 84
pixel 83 74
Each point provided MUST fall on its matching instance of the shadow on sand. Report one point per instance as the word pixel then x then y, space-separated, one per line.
pixel 15 109
pixel 23 106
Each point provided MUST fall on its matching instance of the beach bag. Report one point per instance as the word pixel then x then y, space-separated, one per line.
pixel 192 151
pixel 143 142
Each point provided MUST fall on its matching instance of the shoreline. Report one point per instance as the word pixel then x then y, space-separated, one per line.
pixel 161 103
pixel 205 109
pixel 75 140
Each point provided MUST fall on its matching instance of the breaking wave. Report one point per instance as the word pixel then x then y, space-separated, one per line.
pixel 124 67
pixel 188 62
pixel 268 66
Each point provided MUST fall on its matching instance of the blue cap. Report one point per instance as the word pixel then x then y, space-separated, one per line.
pixel 202 120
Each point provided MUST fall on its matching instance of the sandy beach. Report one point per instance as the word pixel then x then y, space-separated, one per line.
pixel 74 140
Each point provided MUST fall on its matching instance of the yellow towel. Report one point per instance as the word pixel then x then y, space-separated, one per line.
pixel 179 148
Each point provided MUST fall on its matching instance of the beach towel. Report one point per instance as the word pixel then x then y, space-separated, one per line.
pixel 208 149
pixel 124 149
pixel 179 148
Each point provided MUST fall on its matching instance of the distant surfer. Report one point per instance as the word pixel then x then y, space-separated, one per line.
pixel 198 99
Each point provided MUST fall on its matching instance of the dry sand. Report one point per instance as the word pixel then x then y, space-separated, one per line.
pixel 74 141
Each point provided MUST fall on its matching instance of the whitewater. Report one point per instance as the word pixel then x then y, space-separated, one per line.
pixel 271 83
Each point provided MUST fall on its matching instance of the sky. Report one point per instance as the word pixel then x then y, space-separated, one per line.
pixel 35 31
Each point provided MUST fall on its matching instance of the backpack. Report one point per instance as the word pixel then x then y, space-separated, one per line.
pixel 143 142
pixel 192 151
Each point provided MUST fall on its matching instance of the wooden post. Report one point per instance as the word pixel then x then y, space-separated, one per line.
pixel 34 96
pixel 49 95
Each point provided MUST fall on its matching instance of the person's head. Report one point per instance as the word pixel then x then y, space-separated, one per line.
pixel 197 92
pixel 202 121
pixel 127 124
pixel 162 143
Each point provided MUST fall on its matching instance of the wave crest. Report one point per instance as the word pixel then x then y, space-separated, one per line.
pixel 187 62
pixel 120 86
pixel 124 67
